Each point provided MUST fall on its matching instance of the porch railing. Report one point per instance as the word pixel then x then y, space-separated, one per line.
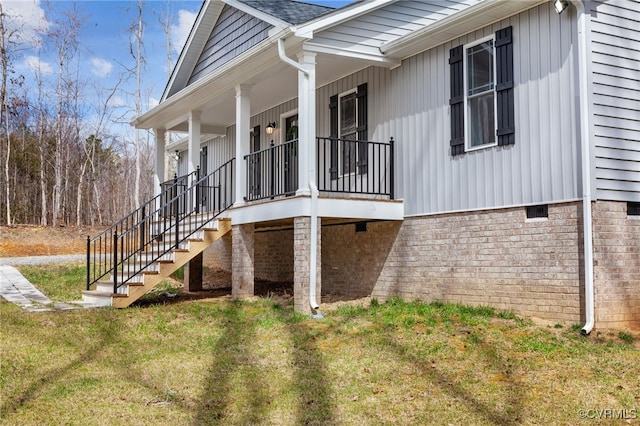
pixel 355 167
pixel 272 172
pixel 184 206
pixel 342 166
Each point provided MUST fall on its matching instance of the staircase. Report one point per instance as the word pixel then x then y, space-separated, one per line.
pixel 152 242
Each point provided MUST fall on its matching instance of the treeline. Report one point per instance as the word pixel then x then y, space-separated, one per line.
pixel 63 154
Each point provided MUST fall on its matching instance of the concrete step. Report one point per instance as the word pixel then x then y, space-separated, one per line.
pixel 97 298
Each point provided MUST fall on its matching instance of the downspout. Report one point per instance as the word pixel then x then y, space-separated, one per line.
pixel 583 81
pixel 313 240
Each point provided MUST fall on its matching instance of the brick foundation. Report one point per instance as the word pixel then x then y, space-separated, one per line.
pixel 497 258
pixel 242 270
pixel 301 253
pixel 616 253
pixel 274 255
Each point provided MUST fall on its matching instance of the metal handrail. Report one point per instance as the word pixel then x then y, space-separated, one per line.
pixel 132 244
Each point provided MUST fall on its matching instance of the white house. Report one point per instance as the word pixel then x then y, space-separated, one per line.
pixel 474 151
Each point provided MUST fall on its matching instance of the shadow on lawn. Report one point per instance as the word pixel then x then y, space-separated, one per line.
pixel 233 353
pixel 108 333
pixel 511 411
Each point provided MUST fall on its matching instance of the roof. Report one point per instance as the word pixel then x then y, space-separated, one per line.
pixel 293 12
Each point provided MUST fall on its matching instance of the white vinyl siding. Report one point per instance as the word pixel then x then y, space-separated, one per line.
pixel 615 35
pixel 373 29
pixel 411 104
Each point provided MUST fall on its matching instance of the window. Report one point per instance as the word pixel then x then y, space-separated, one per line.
pixel 479 95
pixel 348 115
pixel 348 151
pixel 633 209
pixel 481 83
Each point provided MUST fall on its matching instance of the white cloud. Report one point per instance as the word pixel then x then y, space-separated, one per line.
pixel 180 32
pixel 27 19
pixel 116 101
pixel 36 64
pixel 153 102
pixel 101 67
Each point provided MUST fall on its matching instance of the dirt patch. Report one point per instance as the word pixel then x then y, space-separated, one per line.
pixel 30 240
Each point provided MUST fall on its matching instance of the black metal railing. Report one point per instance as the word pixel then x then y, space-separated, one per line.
pixel 342 165
pixel 185 205
pixel 272 172
pixel 355 167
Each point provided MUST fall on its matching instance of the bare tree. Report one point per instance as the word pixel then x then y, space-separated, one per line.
pixel 5 36
pixel 136 49
pixel 64 36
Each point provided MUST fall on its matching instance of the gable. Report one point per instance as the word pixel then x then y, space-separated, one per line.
pixel 235 32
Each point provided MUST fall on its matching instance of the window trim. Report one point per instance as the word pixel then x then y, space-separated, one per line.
pixel 467 139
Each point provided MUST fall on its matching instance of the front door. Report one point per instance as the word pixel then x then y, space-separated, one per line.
pixel 291 154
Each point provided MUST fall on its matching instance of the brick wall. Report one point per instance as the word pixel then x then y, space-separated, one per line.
pixel 242 270
pixel 495 257
pixel 301 258
pixel 616 247
pixel 218 254
pixel 274 255
pixel 352 261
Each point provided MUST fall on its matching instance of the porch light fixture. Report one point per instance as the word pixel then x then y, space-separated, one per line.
pixel 560 5
pixel 177 156
pixel 270 127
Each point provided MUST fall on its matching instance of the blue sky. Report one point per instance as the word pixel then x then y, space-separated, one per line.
pixel 104 44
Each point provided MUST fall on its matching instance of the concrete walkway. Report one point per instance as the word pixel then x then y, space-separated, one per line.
pixel 15 288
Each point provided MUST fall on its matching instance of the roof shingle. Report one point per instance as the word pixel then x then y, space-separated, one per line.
pixel 293 12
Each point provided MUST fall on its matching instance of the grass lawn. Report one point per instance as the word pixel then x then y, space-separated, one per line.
pixel 215 361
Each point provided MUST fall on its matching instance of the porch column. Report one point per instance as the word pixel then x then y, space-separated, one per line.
pixel 159 174
pixel 306 121
pixel 242 269
pixel 243 111
pixel 301 255
pixel 193 155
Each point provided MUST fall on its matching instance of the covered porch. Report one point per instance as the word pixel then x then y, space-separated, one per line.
pixel 319 171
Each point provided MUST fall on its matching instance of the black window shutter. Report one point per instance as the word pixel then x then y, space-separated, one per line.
pixel 363 153
pixel 504 87
pixel 333 134
pixel 457 100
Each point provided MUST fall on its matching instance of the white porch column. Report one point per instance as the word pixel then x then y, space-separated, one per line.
pixel 193 154
pixel 243 112
pixel 306 121
pixel 159 174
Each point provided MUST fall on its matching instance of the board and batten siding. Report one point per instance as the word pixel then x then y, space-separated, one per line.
pixel 234 33
pixel 388 23
pixel 411 104
pixel 615 46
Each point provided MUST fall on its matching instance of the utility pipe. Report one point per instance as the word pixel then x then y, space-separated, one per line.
pixel 583 82
pixel 313 240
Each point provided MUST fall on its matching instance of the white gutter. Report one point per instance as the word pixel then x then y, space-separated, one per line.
pixel 583 81
pixel 313 240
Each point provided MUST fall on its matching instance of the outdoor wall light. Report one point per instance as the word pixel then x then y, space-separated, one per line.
pixel 560 5
pixel 271 127
pixel 177 156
